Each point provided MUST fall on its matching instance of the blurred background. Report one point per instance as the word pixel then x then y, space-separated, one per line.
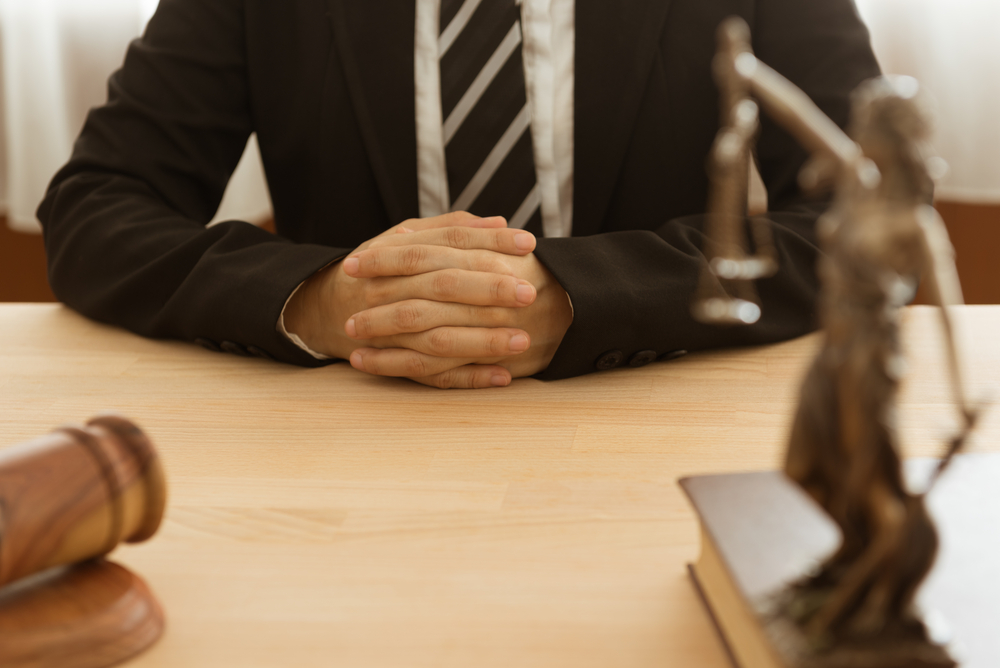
pixel 56 55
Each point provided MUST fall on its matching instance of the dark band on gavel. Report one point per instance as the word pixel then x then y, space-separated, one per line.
pixel 76 494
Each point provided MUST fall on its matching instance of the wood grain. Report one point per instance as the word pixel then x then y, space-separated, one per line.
pixel 323 517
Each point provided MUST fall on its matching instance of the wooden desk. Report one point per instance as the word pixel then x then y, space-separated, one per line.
pixel 323 517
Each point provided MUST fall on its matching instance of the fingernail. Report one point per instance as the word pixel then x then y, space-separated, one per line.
pixel 518 343
pixel 404 230
pixel 524 241
pixel 356 361
pixel 351 266
pixel 525 293
pixel 499 381
pixel 351 330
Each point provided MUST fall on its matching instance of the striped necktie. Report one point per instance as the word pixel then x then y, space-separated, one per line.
pixel 487 138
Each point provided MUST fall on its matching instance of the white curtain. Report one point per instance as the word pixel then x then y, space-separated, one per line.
pixel 953 48
pixel 57 56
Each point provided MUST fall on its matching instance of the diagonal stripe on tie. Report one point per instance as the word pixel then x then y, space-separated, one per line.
pixel 455 26
pixel 481 82
pixel 479 39
pixel 527 209
pixel 493 160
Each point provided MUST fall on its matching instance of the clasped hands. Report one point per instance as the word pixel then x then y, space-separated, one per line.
pixel 453 301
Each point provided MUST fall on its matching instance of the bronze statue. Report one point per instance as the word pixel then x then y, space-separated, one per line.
pixel 879 237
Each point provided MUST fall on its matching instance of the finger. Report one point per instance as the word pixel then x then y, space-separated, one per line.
pixel 461 342
pixel 419 259
pixel 401 362
pixel 499 240
pixel 452 219
pixel 419 315
pixel 451 285
pixel 455 218
pixel 468 377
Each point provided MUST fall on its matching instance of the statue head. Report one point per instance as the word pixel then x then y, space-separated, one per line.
pixel 890 121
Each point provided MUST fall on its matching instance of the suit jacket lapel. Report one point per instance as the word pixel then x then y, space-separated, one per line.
pixel 615 46
pixel 375 41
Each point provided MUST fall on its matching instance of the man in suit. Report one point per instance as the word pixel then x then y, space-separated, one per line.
pixel 368 263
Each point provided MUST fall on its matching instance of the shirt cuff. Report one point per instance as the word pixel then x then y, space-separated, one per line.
pixel 292 336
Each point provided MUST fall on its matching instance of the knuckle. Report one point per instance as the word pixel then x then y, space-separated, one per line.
pixel 457 237
pixel 444 381
pixel 411 259
pixel 441 341
pixel 372 365
pixel 445 284
pixel 406 318
pixel 478 377
pixel 499 288
pixel 363 325
pixel 371 261
pixel 415 366
pixel 496 342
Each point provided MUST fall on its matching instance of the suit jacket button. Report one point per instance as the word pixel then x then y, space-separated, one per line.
pixel 609 360
pixel 259 352
pixel 642 358
pixel 208 344
pixel 673 354
pixel 234 348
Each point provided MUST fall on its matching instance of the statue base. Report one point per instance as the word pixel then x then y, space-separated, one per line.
pixel 904 645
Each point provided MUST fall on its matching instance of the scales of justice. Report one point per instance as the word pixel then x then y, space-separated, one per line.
pixel 879 236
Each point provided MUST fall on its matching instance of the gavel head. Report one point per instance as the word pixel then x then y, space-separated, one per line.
pixel 75 494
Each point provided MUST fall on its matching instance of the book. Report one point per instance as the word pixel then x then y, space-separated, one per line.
pixel 760 532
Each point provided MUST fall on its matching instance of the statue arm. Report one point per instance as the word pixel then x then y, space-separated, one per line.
pixel 944 289
pixel 739 72
pixel 798 114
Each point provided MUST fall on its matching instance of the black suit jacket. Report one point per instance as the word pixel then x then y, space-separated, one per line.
pixel 328 87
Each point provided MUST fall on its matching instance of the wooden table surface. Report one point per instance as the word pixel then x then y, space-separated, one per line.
pixel 324 517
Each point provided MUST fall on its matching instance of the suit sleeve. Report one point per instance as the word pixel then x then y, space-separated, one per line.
pixel 125 219
pixel 632 290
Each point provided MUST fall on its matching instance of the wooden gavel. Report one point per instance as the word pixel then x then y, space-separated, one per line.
pixel 76 494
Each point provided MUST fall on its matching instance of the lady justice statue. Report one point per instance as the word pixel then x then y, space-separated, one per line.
pixel 879 236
